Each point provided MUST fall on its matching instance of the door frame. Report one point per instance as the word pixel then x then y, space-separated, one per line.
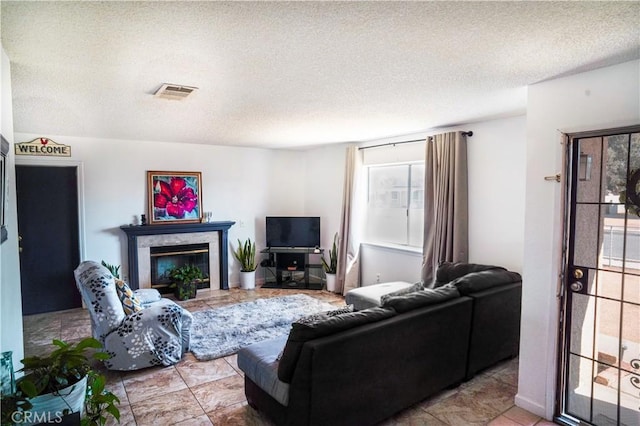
pixel 79 165
pixel 566 179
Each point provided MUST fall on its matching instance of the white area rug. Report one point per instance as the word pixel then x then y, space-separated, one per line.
pixel 223 331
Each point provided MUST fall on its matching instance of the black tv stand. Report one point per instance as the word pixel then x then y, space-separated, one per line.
pixel 293 267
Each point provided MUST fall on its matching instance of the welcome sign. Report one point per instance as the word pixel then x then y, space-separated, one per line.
pixel 43 147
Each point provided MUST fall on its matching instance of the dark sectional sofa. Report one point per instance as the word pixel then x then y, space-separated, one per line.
pixel 363 367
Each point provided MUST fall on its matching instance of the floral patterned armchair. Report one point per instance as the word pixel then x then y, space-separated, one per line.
pixel 146 331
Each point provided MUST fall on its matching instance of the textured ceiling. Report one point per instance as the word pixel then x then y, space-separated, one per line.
pixel 295 74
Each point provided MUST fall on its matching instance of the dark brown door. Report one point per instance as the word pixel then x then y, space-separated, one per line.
pixel 47 200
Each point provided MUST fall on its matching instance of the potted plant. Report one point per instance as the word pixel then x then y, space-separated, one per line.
pixel 62 383
pixel 331 268
pixel 114 269
pixel 185 281
pixel 100 402
pixel 246 255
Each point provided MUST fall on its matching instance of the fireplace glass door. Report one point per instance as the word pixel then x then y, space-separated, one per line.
pixel 165 258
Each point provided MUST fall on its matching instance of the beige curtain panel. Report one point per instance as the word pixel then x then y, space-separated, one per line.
pixel 445 203
pixel 348 274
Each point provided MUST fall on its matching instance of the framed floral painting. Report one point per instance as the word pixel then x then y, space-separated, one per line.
pixel 174 197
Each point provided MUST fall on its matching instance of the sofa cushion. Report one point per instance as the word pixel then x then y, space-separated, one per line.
pixel 449 271
pixel 259 363
pixel 419 299
pixel 319 316
pixel 478 281
pixel 302 332
pixel 369 296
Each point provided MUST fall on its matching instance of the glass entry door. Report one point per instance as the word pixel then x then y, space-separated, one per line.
pixel 600 377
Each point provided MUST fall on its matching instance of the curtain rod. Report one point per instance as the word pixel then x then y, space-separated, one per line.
pixel 469 133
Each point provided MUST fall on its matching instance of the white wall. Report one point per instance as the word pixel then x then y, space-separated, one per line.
pixel 497 158
pixel 11 338
pixel 239 184
pixel 324 189
pixel 600 99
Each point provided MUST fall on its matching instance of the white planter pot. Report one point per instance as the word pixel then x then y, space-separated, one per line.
pixel 331 282
pixel 248 280
pixel 50 406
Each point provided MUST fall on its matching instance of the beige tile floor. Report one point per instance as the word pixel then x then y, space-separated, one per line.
pixel 212 392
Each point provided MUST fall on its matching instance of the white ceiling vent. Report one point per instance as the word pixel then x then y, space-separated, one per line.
pixel 174 91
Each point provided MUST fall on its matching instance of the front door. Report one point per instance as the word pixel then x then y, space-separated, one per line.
pixel 600 377
pixel 47 202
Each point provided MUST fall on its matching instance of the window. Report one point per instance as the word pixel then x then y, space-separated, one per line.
pixel 395 203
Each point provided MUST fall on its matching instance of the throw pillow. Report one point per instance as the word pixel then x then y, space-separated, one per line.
pixel 130 303
pixel 482 280
pixel 449 271
pixel 419 299
pixel 414 287
pixel 320 316
pixel 344 310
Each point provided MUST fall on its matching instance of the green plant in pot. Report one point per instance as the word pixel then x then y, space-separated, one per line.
pixel 246 255
pixel 331 267
pixel 100 402
pixel 185 281
pixel 63 383
pixel 114 269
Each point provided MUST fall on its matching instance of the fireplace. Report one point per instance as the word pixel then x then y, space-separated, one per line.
pixel 165 258
pixel 148 244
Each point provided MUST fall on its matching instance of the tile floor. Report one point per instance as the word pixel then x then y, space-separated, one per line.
pixel 212 392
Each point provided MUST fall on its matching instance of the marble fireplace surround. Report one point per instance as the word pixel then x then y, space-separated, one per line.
pixel 141 238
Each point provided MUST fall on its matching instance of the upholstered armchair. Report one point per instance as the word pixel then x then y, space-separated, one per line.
pixel 137 328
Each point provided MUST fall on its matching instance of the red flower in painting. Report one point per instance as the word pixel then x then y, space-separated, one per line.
pixel 176 197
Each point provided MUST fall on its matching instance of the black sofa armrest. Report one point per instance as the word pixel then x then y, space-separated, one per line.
pixel 495 326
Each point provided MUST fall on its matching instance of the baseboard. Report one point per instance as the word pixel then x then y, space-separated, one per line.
pixel 530 406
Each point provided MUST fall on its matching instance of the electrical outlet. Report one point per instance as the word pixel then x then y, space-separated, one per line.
pixel 378 277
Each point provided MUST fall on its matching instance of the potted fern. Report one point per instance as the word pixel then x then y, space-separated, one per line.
pixel 331 268
pixel 246 255
pixel 185 281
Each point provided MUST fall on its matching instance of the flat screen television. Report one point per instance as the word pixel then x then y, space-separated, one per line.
pixel 289 231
